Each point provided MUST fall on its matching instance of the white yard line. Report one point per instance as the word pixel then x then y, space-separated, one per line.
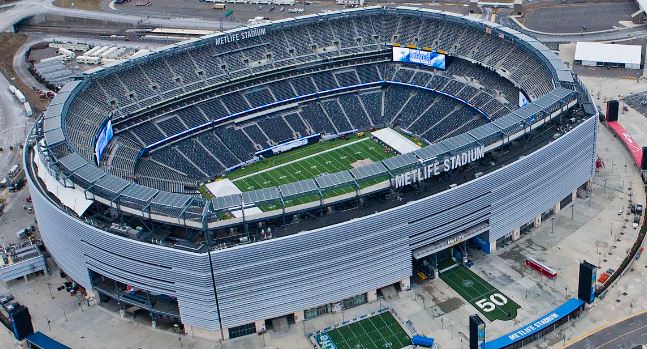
pixel 299 159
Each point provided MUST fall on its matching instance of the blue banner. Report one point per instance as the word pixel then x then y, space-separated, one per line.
pixel 410 55
pixel 102 141
pixel 535 326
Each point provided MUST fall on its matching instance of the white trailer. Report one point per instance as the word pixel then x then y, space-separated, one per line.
pixel 107 53
pixel 106 61
pixel 20 96
pixel 101 51
pixel 140 53
pixel 92 51
pixel 59 58
pixel 66 52
pixel 28 109
pixel 88 59
pixel 12 88
pixel 119 53
pixel 70 46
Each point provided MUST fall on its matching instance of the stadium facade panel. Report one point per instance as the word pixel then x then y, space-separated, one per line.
pixel 211 284
pixel 286 275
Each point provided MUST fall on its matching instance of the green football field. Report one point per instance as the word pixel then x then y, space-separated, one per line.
pixel 488 300
pixel 309 162
pixel 377 332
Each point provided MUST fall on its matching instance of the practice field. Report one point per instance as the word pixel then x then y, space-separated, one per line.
pixel 478 292
pixel 376 332
pixel 310 162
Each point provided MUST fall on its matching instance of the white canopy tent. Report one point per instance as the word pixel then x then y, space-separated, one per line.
pixel 597 54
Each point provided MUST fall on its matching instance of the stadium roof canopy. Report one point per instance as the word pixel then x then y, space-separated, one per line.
pixel 642 4
pixel 370 170
pixel 608 53
pixel 261 195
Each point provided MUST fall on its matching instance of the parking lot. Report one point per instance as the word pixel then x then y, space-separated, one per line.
pixel 576 18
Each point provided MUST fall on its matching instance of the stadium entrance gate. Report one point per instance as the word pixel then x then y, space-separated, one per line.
pixel 428 265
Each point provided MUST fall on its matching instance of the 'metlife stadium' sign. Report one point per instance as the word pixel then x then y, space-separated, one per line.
pixel 242 35
pixel 435 168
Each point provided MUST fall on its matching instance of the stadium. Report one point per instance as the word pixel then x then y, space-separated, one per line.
pixel 288 168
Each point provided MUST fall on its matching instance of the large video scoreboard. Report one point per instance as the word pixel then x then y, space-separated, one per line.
pixel 412 55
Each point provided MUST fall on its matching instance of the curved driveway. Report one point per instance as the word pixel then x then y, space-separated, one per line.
pixel 27 8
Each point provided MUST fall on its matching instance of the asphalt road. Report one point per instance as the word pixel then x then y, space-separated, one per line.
pixel 623 335
pixel 575 17
pixel 27 8
pixel 12 127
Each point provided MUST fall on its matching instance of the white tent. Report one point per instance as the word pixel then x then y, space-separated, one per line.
pixel 597 54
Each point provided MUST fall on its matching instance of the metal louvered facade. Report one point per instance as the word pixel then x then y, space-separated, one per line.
pixel 284 275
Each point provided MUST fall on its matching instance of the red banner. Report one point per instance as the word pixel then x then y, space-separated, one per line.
pixel 634 148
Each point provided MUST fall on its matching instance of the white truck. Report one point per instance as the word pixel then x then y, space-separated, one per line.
pixel 28 109
pixel 20 96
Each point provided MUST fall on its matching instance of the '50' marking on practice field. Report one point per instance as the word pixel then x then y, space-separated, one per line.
pixel 489 305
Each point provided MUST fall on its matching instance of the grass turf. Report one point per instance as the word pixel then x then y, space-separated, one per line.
pixel 377 332
pixel 474 289
pixel 322 157
pixel 292 155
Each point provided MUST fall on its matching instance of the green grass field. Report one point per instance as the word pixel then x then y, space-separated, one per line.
pixel 309 162
pixel 292 155
pixel 488 300
pixel 377 332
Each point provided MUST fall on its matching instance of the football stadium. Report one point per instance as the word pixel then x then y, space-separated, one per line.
pixel 295 167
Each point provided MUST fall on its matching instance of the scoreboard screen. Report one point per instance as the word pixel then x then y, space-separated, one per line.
pixel 410 55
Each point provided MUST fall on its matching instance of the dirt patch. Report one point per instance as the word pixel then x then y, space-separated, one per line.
pixel 360 163
pixel 10 43
pixel 450 305
pixel 88 5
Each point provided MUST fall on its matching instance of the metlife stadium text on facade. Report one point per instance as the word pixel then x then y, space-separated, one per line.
pixel 435 168
pixel 248 34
